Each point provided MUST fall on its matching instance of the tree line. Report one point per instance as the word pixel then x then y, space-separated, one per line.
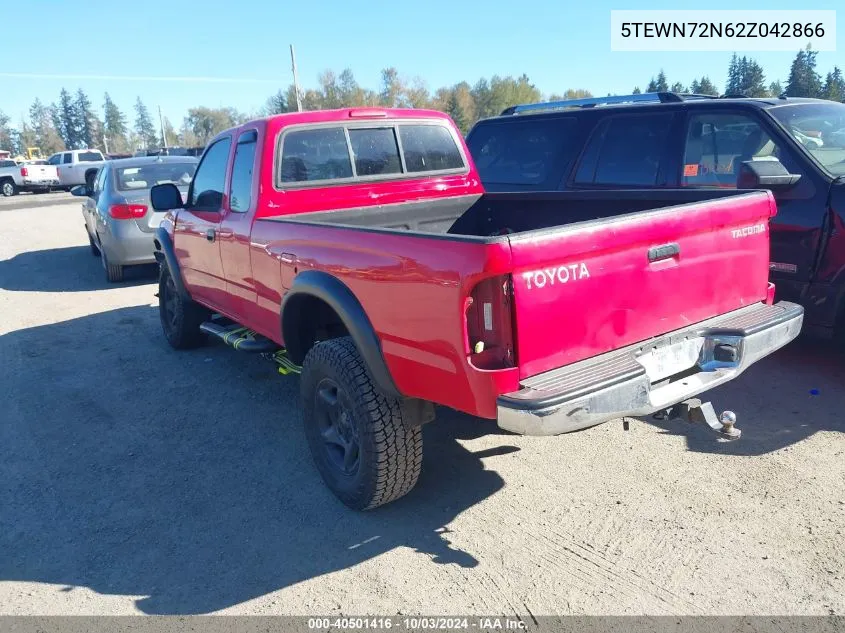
pixel 71 122
pixel 746 77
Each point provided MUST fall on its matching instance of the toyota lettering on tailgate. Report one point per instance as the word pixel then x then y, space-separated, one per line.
pixel 555 275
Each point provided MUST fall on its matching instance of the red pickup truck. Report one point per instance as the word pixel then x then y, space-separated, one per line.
pixel 360 245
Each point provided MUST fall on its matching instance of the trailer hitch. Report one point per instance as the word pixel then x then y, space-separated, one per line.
pixel 694 410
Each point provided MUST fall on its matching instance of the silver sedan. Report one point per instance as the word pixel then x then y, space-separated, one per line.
pixel 119 219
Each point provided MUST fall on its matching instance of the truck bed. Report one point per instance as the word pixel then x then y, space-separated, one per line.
pixel 491 215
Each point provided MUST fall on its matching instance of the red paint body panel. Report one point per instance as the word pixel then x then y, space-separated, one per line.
pixel 415 288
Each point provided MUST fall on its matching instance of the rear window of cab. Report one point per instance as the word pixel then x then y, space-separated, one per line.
pixel 343 154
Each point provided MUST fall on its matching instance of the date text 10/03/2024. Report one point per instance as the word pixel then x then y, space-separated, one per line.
pixel 418 623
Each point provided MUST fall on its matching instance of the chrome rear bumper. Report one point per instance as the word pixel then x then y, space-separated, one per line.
pixel 649 376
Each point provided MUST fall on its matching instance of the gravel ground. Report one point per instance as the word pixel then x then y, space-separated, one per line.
pixel 136 479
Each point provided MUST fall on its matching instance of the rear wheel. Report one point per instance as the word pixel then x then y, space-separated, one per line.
pixel 94 250
pixel 365 453
pixel 114 272
pixel 8 188
pixel 180 317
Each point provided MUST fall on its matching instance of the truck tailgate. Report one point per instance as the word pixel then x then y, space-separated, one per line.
pixel 41 172
pixel 590 288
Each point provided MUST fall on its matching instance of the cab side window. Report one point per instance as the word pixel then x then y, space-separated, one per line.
pixel 242 170
pixel 717 145
pixel 210 177
pixel 68 158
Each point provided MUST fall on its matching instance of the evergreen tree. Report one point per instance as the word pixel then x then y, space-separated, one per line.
pixel 114 125
pixel 775 89
pixel 276 104
pixel 803 80
pixel 733 84
pixel 678 87
pixel 753 79
pixel 5 133
pixel 86 123
pixel 834 86
pixel 703 86
pixel 746 77
pixel 45 134
pixel 454 110
pixel 65 120
pixel 144 125
pixel 636 90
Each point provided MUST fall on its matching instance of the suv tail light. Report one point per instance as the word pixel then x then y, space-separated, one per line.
pixel 127 211
pixel 24 172
pixel 489 324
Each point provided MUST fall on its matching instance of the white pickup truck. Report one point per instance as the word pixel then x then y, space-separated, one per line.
pixel 77 166
pixel 16 177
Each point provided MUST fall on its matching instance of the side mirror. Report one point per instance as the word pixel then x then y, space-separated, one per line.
pixel 765 174
pixel 81 190
pixel 166 197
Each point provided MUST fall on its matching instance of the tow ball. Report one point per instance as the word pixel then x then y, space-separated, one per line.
pixel 694 410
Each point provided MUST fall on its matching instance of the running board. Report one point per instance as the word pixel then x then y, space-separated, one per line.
pixel 239 337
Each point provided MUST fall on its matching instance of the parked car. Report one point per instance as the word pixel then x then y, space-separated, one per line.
pixel 362 241
pixel 665 140
pixel 119 219
pixel 26 177
pixel 77 167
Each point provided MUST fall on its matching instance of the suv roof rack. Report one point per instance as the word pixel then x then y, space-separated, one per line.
pixel 646 97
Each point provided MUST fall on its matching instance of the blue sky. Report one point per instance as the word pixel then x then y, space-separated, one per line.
pixel 559 44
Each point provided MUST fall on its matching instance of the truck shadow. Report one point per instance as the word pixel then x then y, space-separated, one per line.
pixel 68 269
pixel 780 401
pixel 184 478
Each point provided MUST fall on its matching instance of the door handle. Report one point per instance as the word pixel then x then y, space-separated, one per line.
pixel 210 234
pixel 658 253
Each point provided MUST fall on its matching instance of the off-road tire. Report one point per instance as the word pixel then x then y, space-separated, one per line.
pixel 180 317
pixel 8 188
pixel 389 453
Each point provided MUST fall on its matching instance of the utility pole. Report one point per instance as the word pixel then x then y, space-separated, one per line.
pixel 161 123
pixel 295 80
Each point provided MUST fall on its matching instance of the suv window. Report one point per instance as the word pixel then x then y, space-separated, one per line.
pixel 210 177
pixel 68 158
pixel 89 157
pixel 241 190
pixel 625 150
pixel 717 144
pixel 316 154
pixel 524 152
pixel 429 148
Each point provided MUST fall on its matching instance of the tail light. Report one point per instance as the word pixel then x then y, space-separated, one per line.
pixel 489 324
pixel 24 172
pixel 127 211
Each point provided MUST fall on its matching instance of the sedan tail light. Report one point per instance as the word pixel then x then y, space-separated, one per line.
pixel 127 211
pixel 24 172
